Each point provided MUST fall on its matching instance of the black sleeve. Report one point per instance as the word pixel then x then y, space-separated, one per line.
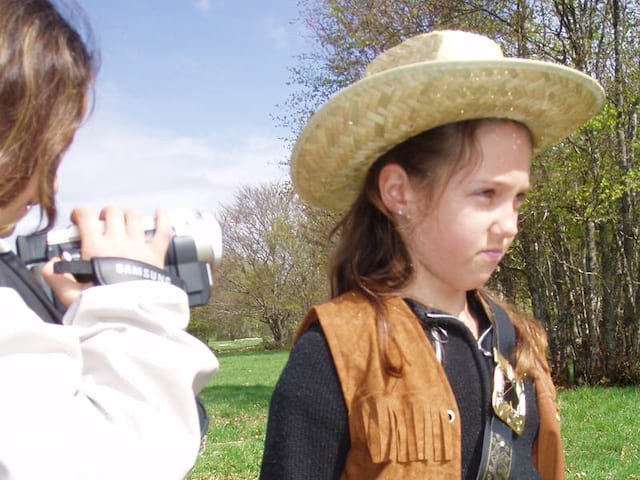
pixel 308 430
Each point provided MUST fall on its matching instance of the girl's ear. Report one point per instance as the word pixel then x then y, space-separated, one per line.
pixel 395 189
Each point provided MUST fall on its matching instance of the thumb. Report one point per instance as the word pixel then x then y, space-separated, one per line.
pixel 64 286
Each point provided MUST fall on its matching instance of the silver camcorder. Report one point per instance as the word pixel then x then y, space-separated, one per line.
pixel 195 249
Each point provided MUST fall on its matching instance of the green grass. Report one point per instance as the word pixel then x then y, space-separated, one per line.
pixel 600 426
pixel 601 432
pixel 237 400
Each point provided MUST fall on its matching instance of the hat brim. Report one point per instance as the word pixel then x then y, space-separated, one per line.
pixel 365 120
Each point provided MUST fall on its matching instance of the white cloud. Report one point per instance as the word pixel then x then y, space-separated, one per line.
pixel 129 166
pixel 203 5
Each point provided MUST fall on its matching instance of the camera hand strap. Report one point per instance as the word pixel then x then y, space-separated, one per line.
pixel 108 270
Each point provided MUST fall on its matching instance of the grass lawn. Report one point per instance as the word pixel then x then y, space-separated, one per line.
pixel 601 426
pixel 601 432
pixel 237 400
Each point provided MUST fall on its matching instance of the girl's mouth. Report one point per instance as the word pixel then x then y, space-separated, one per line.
pixel 493 254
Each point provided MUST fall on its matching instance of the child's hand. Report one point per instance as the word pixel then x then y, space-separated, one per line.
pixel 120 235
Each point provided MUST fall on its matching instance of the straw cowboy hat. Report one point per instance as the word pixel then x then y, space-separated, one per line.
pixel 425 82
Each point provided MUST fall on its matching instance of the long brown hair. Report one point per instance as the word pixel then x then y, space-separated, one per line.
pixel 370 256
pixel 46 72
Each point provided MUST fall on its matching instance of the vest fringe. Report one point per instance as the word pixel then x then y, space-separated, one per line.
pixel 406 429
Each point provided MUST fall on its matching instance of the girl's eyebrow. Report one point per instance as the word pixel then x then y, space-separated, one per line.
pixel 501 183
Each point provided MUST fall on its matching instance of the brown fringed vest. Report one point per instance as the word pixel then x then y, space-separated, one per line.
pixel 408 427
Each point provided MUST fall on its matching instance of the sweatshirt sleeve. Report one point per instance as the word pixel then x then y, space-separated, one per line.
pixel 308 430
pixel 108 395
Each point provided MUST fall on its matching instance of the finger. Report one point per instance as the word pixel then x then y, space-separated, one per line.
pixel 114 222
pixel 135 229
pixel 162 236
pixel 89 228
pixel 86 220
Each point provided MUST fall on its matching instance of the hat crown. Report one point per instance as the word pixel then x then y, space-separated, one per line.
pixel 445 45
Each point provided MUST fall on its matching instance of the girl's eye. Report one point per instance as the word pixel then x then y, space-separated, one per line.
pixel 488 193
pixel 519 200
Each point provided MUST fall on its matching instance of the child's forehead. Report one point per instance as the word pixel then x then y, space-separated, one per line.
pixel 498 164
pixel 492 171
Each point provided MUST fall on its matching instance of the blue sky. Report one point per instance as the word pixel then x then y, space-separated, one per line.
pixel 202 68
pixel 183 103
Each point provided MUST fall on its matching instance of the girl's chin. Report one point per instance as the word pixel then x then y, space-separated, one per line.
pixel 480 282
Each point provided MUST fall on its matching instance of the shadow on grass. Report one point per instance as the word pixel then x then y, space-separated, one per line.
pixel 240 396
pixel 258 352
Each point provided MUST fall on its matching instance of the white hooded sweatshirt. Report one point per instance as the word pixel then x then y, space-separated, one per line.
pixel 108 395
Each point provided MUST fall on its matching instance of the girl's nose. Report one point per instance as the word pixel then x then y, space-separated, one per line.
pixel 507 224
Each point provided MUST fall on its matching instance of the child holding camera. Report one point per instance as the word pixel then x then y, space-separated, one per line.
pixel 110 393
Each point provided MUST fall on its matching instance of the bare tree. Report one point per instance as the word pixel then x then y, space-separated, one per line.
pixel 270 272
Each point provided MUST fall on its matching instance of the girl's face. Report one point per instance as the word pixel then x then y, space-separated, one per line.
pixel 456 243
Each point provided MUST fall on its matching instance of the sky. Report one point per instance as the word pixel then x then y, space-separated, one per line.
pixel 183 104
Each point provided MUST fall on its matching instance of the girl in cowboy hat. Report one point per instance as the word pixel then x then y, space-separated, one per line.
pixel 109 394
pixel 412 370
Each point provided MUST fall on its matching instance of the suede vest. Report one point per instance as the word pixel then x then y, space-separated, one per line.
pixel 408 427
